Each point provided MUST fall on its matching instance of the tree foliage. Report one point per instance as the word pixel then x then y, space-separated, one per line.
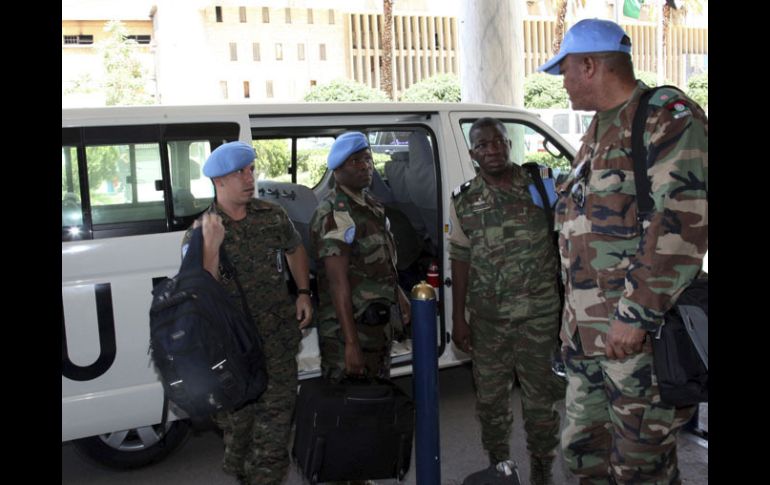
pixel 344 90
pixel 442 88
pixel 698 89
pixel 651 79
pixel 124 82
pixel 273 158
pixel 544 91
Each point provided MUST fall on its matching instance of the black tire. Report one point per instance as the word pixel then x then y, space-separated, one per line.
pixel 134 448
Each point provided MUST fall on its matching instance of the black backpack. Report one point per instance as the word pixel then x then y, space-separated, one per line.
pixel 680 346
pixel 207 351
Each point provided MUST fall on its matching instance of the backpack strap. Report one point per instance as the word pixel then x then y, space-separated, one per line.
pixel 639 154
pixel 534 172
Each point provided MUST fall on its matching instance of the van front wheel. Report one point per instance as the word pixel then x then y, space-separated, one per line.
pixel 136 447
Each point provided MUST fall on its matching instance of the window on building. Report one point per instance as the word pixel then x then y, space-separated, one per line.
pixel 269 89
pixel 322 51
pixel 218 13
pixel 140 39
pixel 331 17
pixel 255 51
pixel 223 88
pixel 310 15
pixel 78 39
pixel 242 14
pixel 233 51
pixel 288 15
pixel 278 52
pixel 301 52
pixel 265 15
pixel 246 93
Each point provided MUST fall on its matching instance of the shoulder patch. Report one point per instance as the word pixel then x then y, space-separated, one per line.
pixel 341 203
pixel 460 189
pixel 665 95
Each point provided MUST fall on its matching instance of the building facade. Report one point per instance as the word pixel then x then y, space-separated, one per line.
pixel 213 51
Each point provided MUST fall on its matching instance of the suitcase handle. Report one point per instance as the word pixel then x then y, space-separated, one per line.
pixel 370 400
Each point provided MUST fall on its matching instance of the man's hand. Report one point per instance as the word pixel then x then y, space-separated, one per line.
pixel 623 340
pixel 461 334
pixel 213 236
pixel 213 230
pixel 304 310
pixel 354 360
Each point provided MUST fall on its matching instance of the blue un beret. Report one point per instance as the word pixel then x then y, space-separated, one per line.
pixel 344 146
pixel 228 158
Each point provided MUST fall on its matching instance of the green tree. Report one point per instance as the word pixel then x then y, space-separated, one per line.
pixel 698 89
pixel 544 91
pixel 344 90
pixel 125 78
pixel 273 158
pixel 442 88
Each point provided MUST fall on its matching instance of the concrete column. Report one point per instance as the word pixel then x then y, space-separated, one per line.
pixel 488 37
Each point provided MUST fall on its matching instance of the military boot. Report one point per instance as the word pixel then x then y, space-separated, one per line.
pixel 540 470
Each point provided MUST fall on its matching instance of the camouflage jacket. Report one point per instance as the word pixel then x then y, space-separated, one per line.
pixel 255 246
pixel 506 239
pixel 360 223
pixel 614 269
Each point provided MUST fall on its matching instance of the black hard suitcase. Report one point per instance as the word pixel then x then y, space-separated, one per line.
pixel 353 431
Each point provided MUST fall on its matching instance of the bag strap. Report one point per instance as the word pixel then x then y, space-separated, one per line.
pixel 639 154
pixel 534 171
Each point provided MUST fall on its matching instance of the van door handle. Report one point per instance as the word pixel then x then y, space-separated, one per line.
pixel 448 282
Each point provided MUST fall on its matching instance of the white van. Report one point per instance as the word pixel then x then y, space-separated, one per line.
pixel 132 183
pixel 570 124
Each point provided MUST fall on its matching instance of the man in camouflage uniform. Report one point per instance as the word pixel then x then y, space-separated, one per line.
pixel 350 235
pixel 256 234
pixel 621 275
pixel 504 268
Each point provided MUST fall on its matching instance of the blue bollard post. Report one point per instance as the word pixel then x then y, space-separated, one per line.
pixel 425 384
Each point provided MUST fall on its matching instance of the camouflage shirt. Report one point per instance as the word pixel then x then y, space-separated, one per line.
pixel 506 239
pixel 343 219
pixel 612 268
pixel 255 245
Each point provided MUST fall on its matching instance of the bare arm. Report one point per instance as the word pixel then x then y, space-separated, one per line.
pixel 339 286
pixel 300 270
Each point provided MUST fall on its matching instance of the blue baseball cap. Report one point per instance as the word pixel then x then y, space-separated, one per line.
pixel 228 158
pixel 345 145
pixel 590 35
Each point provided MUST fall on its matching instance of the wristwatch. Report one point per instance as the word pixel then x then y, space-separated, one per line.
pixel 305 291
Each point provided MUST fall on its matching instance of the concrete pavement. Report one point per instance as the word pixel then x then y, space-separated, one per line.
pixel 198 460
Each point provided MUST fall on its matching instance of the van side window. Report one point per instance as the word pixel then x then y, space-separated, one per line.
pixel 527 145
pixel 71 212
pixel 136 179
pixel 300 160
pixel 121 181
pixel 191 191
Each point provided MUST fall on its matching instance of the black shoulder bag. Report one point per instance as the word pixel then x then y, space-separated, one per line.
pixel 680 345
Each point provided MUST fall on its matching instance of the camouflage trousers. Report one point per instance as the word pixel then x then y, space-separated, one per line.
pixel 617 429
pixel 503 350
pixel 256 437
pixel 375 342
